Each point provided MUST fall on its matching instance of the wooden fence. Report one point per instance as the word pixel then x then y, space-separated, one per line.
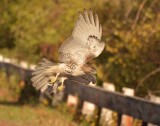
pixel 135 107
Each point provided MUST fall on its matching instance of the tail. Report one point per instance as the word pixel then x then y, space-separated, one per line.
pixel 43 74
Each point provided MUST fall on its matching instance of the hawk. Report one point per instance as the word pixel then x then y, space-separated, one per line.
pixel 83 45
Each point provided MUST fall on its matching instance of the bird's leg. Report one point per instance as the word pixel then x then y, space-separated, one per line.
pixel 54 78
pixel 61 87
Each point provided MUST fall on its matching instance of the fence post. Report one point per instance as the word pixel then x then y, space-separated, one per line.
pixel 7 60
pixel 88 108
pixel 65 96
pixel 106 114
pixel 98 116
pixel 1 61
pixel 155 99
pixel 7 71
pixel 72 100
pixel 119 119
pixel 1 58
pixel 127 120
pixel 78 113
pixel 24 64
pixel 144 123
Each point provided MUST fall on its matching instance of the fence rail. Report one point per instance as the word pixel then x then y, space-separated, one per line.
pixel 133 106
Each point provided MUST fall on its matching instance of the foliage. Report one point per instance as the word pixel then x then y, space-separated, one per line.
pixel 131 30
pixel 132 42
pixel 10 90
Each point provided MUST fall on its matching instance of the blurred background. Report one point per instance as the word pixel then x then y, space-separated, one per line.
pixel 30 30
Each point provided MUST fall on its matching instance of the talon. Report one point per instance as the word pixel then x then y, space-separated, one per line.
pixel 54 78
pixel 60 88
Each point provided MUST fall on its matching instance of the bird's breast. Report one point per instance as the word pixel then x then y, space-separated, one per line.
pixel 75 71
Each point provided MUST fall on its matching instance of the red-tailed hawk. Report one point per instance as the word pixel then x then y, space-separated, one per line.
pixel 83 45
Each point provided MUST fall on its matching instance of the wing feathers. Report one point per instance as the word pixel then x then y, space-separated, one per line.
pixel 96 21
pixel 100 30
pixel 87 25
pixel 86 17
pixel 91 17
pixel 77 45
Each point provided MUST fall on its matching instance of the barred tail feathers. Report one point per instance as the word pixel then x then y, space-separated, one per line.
pixel 43 74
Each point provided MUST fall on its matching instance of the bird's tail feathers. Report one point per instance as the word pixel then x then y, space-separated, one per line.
pixel 43 73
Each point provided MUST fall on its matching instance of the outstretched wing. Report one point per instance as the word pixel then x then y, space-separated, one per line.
pixel 87 25
pixel 76 48
pixel 44 72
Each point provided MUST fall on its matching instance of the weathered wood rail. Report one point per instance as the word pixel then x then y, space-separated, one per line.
pixel 132 106
pixel 136 107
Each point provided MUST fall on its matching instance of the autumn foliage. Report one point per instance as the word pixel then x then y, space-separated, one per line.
pixel 30 30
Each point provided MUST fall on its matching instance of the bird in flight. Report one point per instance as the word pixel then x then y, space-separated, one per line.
pixel 83 45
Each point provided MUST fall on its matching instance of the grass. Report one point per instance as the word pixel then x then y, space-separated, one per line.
pixel 29 114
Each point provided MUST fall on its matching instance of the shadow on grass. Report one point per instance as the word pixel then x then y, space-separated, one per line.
pixel 8 103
